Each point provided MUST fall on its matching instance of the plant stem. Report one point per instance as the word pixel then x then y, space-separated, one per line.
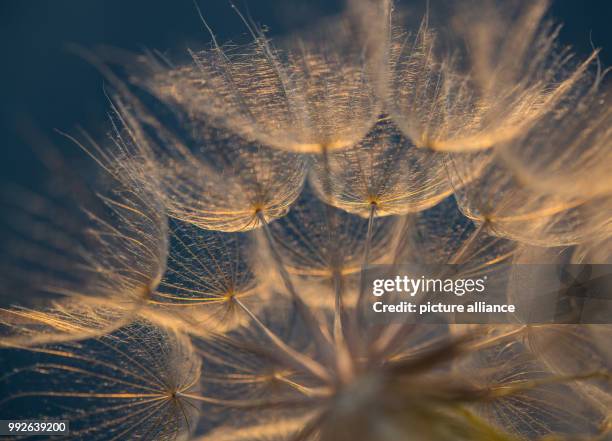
pixel 296 359
pixel 343 357
pixel 241 404
pixel 466 245
pixel 311 321
pixel 364 264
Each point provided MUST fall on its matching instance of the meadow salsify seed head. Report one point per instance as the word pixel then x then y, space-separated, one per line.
pixel 252 380
pixel 409 389
pixel 217 289
pixel 108 249
pixel 575 347
pixel 127 384
pixel 254 384
pixel 531 401
pixel 317 240
pixel 521 71
pixel 432 102
pixel 219 181
pixel 210 275
pixel 554 155
pixel 448 244
pixel 311 94
pixel 473 74
pixel 61 321
pixel 384 170
pixel 564 350
pixel 515 46
pixel 510 208
pixel 444 235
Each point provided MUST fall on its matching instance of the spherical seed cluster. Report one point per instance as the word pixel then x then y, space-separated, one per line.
pixel 213 288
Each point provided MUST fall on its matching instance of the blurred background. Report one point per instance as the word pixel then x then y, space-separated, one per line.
pixel 44 86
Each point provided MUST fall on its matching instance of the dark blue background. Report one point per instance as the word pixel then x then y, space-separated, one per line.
pixel 44 86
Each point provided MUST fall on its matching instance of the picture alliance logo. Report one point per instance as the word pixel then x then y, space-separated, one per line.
pixel 413 286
